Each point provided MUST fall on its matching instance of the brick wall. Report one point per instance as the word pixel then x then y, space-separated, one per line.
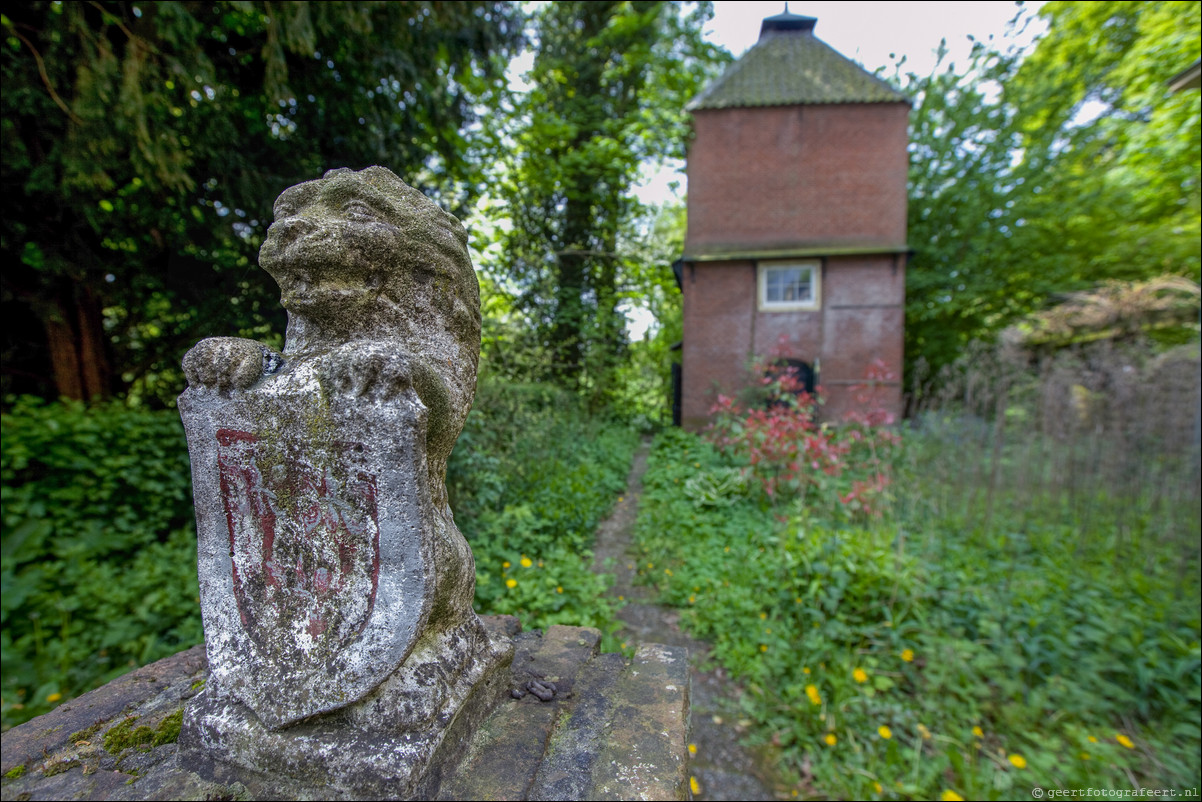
pixel 768 178
pixel 791 175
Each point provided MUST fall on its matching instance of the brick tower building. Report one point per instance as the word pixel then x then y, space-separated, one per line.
pixel 796 222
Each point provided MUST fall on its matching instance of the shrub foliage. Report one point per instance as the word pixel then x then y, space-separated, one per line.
pixel 99 548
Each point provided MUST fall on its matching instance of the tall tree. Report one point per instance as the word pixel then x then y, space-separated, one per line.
pixel 608 92
pixel 143 144
pixel 1037 175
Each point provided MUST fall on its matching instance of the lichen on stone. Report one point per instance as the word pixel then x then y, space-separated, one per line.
pixel 59 766
pixel 86 734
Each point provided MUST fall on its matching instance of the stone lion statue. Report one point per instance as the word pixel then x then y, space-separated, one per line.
pixel 380 294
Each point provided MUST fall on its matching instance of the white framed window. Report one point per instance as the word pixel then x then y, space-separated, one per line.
pixel 785 286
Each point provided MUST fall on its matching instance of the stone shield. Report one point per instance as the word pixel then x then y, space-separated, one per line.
pixel 316 544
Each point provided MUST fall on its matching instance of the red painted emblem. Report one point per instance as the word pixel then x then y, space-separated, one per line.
pixel 304 542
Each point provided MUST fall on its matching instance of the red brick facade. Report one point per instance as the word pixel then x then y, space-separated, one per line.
pixel 824 183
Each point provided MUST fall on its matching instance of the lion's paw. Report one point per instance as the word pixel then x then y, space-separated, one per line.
pixel 229 364
pixel 367 371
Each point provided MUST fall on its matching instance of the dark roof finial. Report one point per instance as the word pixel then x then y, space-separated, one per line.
pixel 787 23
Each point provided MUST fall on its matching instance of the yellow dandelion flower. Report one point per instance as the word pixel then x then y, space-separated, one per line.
pixel 511 583
pixel 667 572
pixel 1124 740
pixel 977 731
pixel 621 598
pixel 692 599
pixel 880 789
pixel 1018 761
pixel 527 562
pixel 727 549
pixel 763 647
pixel 1085 756
pixel 1093 740
pixel 831 739
pixel 798 600
pixel 859 675
pixel 908 655
pixel 951 796
pixel 505 564
pixel 812 692
pixel 54 697
pixel 884 732
pixel 763 616
pixel 559 588
pixel 805 670
pixel 692 749
pixel 694 786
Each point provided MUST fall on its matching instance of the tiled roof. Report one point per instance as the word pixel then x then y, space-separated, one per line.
pixel 790 68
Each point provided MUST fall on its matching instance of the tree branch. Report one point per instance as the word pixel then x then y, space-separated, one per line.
pixel 45 77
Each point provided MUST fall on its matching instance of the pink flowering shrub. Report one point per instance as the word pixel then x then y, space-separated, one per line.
pixel 794 456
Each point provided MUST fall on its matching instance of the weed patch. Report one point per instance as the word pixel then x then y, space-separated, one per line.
pixel 929 647
pixel 531 478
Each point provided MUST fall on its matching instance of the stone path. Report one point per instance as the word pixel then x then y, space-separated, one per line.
pixel 722 767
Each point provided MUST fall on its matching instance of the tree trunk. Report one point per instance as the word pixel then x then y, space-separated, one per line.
pixel 75 336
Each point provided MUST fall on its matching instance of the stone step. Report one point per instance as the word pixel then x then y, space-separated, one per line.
pixel 645 752
pixel 509 747
pixel 616 729
pixel 570 764
pixel 613 729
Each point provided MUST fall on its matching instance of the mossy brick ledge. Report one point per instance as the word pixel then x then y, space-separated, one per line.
pixel 613 729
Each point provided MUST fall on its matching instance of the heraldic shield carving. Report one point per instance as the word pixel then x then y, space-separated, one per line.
pixel 316 550
pixel 305 546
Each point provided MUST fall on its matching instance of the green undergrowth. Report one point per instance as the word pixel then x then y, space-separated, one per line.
pixel 99 543
pixel 99 549
pixel 530 479
pixel 916 654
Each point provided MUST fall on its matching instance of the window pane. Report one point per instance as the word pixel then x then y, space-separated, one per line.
pixel 789 285
pixel 773 279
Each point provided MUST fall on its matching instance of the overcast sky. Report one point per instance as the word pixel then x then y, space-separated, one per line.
pixel 870 32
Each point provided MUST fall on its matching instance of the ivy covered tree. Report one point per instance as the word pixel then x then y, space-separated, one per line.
pixel 143 145
pixel 607 96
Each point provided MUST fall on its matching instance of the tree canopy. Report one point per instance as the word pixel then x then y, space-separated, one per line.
pixel 1034 177
pixel 143 145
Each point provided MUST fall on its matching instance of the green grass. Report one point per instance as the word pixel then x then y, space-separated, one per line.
pixel 995 657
